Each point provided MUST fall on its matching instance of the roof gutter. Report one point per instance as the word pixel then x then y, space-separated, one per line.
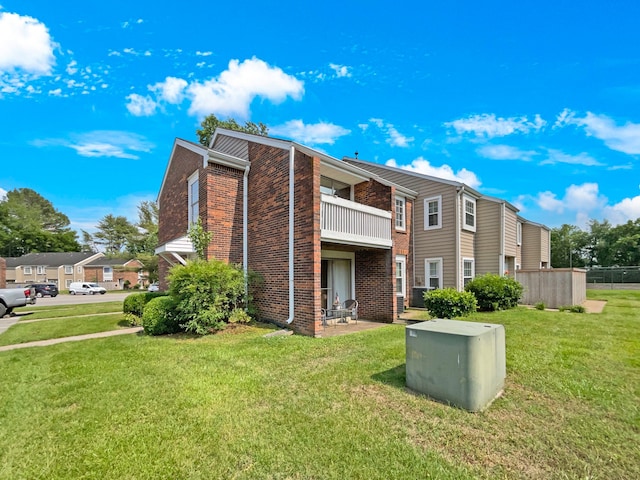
pixel 292 152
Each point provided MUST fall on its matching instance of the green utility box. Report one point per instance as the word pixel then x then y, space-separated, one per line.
pixel 460 363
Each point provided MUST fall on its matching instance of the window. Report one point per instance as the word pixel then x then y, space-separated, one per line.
pixel 40 270
pixel 433 269
pixel 468 270
pixel 194 198
pixel 401 276
pixel 107 274
pixel 469 213
pixel 400 213
pixel 27 270
pixel 519 233
pixel 433 212
pixel 329 186
pixel 68 282
pixel 68 270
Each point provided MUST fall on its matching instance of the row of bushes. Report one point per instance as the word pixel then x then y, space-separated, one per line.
pixel 204 297
pixel 486 293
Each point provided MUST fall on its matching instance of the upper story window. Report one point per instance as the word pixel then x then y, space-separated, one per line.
pixel 329 186
pixel 27 270
pixel 40 270
pixel 68 269
pixel 519 233
pixel 433 212
pixel 107 274
pixel 469 213
pixel 400 214
pixel 194 198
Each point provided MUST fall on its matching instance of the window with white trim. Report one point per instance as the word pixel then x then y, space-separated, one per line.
pixel 519 233
pixel 433 212
pixel 468 270
pixel 469 213
pixel 27 270
pixel 400 213
pixel 401 275
pixel 40 270
pixel 194 198
pixel 68 282
pixel 107 274
pixel 433 272
pixel 68 269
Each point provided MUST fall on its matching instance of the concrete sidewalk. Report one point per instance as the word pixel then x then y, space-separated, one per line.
pixel 76 338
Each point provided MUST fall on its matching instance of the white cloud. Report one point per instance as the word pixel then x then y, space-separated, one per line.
pixel 621 212
pixel 341 70
pixel 505 152
pixel 423 166
pixel 582 199
pixel 171 90
pixel 394 137
pixel 72 67
pixel 56 93
pixel 3 194
pixel 489 126
pixel 232 92
pixel 102 143
pixel 25 45
pixel 556 156
pixel 312 134
pixel 203 54
pixel 625 138
pixel 141 106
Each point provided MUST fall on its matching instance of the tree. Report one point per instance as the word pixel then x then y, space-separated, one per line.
pixel 568 246
pixel 144 239
pixel 211 122
pixel 30 223
pixel 200 239
pixel 114 232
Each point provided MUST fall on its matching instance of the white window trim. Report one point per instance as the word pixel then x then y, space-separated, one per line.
pixel 473 269
pixel 40 270
pixel 403 225
pixel 427 271
pixel 519 233
pixel 68 269
pixel 107 274
pixel 403 260
pixel 194 178
pixel 465 199
pixel 437 198
pixel 27 271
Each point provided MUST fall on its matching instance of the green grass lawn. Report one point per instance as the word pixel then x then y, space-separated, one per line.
pixel 55 311
pixel 238 405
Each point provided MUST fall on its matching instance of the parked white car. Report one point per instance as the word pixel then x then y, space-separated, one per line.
pixel 86 288
pixel 154 287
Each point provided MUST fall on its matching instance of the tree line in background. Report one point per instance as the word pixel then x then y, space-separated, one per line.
pixel 602 245
pixel 29 223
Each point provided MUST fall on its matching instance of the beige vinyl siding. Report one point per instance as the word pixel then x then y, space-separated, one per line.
pixel 488 236
pixel 467 241
pixel 545 239
pixel 236 147
pixel 532 247
pixel 434 243
pixel 510 232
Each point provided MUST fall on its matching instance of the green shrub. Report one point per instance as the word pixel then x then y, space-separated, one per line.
pixel 239 316
pixel 494 292
pixel 134 303
pixel 206 294
pixel 572 308
pixel 449 303
pixel 159 316
pixel 540 306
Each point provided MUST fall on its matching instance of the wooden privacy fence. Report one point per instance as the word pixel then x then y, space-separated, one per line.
pixel 555 287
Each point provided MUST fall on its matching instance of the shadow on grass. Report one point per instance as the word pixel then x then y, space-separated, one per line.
pixel 395 377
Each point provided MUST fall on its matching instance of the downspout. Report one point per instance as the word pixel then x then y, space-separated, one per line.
pixel 458 237
pixel 291 239
pixel 245 227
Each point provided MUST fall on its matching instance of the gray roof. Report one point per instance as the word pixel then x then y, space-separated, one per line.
pixel 108 261
pixel 51 259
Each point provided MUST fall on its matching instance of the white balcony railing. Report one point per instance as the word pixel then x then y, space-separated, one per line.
pixel 343 221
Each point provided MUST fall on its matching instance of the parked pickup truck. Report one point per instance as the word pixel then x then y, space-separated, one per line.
pixel 11 298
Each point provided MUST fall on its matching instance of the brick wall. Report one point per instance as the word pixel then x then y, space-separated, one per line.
pixel 403 245
pixel 223 217
pixel 173 200
pixel 3 273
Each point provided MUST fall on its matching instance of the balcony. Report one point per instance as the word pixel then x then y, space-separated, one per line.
pixel 343 221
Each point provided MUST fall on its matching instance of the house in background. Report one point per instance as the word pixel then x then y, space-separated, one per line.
pixel 460 233
pixel 314 227
pixel 116 273
pixel 3 273
pixel 60 268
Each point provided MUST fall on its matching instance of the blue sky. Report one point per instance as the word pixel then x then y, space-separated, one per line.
pixel 534 102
